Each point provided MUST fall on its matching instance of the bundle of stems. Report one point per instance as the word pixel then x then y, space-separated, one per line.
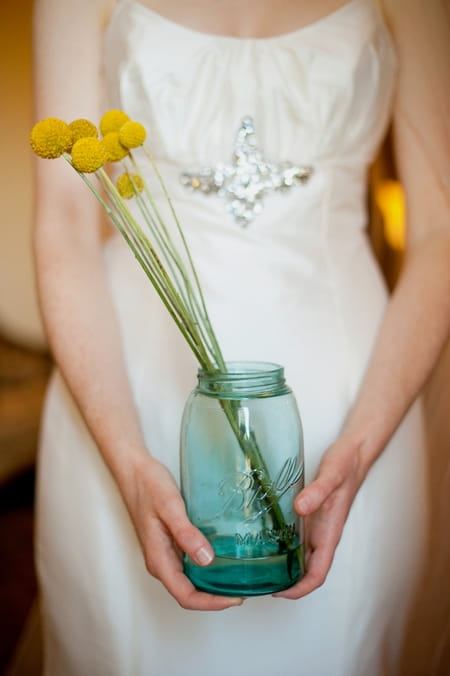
pixel 162 251
pixel 175 279
pixel 170 270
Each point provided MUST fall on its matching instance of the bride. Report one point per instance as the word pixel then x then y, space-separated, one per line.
pixel 298 285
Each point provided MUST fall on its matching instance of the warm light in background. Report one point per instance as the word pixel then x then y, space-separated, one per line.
pixel 19 312
pixel 390 201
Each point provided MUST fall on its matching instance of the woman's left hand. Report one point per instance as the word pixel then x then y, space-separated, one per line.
pixel 326 503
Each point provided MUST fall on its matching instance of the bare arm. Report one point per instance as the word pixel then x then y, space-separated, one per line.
pixel 76 305
pixel 417 320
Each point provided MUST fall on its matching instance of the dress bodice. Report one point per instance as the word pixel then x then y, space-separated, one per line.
pixel 319 96
pixel 320 93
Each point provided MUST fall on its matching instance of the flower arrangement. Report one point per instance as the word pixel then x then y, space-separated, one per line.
pixel 168 264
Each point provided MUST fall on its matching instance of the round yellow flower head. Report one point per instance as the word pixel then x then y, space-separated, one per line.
pixel 112 121
pixel 129 184
pixel 115 151
pixel 132 134
pixel 88 155
pixel 82 128
pixel 50 138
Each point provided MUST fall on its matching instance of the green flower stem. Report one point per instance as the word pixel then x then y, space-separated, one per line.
pixel 191 263
pixel 158 269
pixel 190 316
pixel 166 239
pixel 189 299
pixel 196 303
pixel 250 448
pixel 161 236
pixel 204 362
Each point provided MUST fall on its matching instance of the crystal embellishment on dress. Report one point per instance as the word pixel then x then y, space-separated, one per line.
pixel 248 178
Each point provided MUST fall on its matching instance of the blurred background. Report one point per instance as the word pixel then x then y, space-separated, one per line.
pixel 25 365
pixel 24 360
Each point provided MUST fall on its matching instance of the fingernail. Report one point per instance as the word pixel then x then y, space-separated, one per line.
pixel 302 505
pixel 203 556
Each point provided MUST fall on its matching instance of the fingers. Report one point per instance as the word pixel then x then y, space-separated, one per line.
pixel 168 533
pixel 190 598
pixel 164 530
pixel 317 493
pixel 319 563
pixel 164 563
pixel 339 465
pixel 323 532
pixel 188 538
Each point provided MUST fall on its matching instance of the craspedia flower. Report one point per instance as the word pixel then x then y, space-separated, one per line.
pixel 82 128
pixel 112 121
pixel 50 138
pixel 132 134
pixel 129 184
pixel 115 151
pixel 88 155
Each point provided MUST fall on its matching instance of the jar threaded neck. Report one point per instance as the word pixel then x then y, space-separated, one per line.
pixel 244 379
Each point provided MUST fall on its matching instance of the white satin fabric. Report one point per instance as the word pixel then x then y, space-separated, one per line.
pixel 298 286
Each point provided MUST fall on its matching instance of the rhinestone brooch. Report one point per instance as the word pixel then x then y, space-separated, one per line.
pixel 248 178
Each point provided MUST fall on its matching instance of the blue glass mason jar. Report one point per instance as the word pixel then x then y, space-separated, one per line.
pixel 241 468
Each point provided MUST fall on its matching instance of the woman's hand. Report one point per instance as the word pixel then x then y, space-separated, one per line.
pixel 159 516
pixel 326 503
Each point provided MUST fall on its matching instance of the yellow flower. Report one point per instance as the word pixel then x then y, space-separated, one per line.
pixel 51 138
pixel 129 184
pixel 112 121
pixel 132 134
pixel 88 155
pixel 82 128
pixel 115 151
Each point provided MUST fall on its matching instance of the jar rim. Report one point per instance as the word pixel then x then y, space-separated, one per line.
pixel 243 368
pixel 244 379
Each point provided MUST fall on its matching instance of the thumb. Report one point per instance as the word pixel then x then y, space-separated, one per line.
pixel 187 537
pixel 311 498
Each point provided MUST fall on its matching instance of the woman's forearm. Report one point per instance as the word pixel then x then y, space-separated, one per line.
pixel 414 330
pixel 84 338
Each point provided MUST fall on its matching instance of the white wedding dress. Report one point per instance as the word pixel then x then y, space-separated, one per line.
pixel 297 284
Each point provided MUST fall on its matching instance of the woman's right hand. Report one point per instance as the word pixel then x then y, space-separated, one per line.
pixel 164 530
